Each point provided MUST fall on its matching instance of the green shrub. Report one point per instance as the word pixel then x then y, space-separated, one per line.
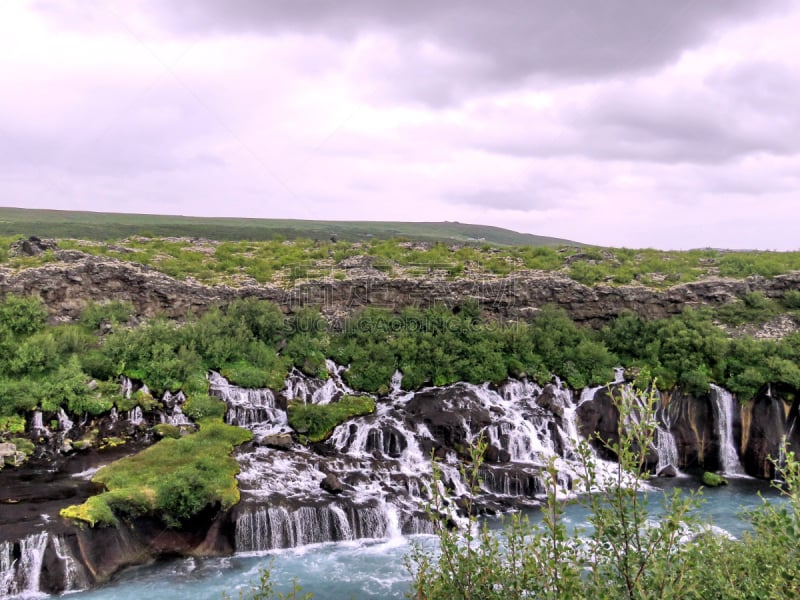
pixel 22 315
pixel 316 422
pixel 165 430
pixel 791 299
pixel 23 445
pixel 112 312
pixel 12 424
pixel 713 479
pixel 203 406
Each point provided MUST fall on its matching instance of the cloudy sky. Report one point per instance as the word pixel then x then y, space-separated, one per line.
pixel 616 122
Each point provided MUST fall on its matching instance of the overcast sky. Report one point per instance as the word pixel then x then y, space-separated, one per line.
pixel 615 122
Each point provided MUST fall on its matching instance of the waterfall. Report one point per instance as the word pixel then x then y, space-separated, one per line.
pixel 588 394
pixel 262 528
pixel 396 383
pixel 7 571
pixel 177 418
pixel 64 422
pixel 722 404
pixel 667 449
pixel 665 444
pixel 125 387
pixel 71 568
pixel 37 426
pixel 254 409
pixel 135 415
pixel 21 576
pixel 383 460
pixel 342 523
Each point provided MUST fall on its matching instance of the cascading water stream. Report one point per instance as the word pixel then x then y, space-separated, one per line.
pixel 722 403
pixel 383 460
pixel 254 409
pixel 21 576
pixel 64 422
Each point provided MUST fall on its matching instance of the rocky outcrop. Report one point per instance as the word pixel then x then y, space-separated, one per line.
pixel 33 246
pixel 67 286
pixel 758 429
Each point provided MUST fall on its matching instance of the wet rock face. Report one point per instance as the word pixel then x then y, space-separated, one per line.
pixel 767 422
pixel 68 285
pixel 373 476
pixel 449 414
pixel 597 422
pixel 693 428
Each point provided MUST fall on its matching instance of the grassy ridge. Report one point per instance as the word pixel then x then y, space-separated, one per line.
pixel 283 263
pixel 106 226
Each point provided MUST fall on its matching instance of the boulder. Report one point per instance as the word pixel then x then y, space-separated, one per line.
pixel 551 400
pixel 331 484
pixel 33 246
pixel 279 441
pixel 496 455
pixel 668 471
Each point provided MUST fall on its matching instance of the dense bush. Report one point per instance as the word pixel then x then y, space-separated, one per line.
pixel 112 312
pixel 316 422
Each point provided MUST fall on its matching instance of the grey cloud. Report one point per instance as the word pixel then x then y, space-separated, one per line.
pixel 498 43
pixel 766 87
pixel 743 110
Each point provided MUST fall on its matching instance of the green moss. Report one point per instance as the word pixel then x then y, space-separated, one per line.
pixel 173 479
pixel 23 445
pixel 112 442
pixel 87 441
pixel 316 422
pixel 713 480
pixel 165 430
pixel 95 510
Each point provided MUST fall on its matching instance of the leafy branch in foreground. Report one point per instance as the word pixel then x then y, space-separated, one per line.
pixel 264 589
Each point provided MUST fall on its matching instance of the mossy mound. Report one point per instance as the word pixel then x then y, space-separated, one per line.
pixel 174 479
pixel 316 422
pixel 713 479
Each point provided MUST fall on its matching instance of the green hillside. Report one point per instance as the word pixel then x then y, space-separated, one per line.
pixel 105 226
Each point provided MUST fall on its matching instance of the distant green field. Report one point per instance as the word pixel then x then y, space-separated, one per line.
pixel 109 226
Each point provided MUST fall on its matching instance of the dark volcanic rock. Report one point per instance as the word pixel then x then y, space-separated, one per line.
pixel 67 286
pixel 693 425
pixel 446 410
pixel 765 426
pixel 550 400
pixel 331 484
pixel 33 246
pixel 668 471
pixel 496 455
pixel 597 421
